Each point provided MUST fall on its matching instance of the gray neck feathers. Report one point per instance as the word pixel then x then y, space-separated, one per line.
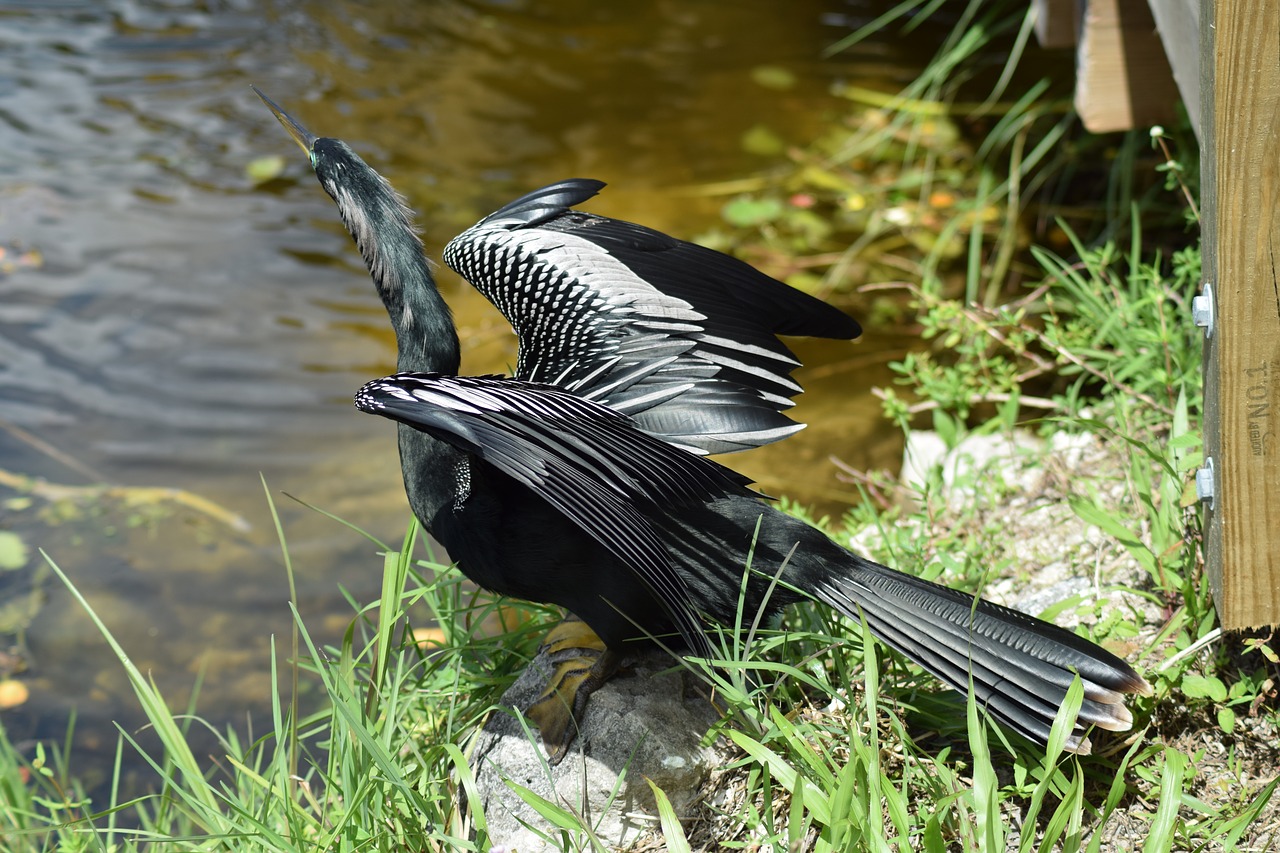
pixel 382 226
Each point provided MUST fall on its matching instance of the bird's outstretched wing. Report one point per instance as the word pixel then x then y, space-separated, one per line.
pixel 587 461
pixel 680 337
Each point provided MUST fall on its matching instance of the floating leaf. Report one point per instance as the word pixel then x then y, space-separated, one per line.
pixel 265 169
pixel 12 694
pixel 774 77
pixel 12 259
pixel 749 212
pixel 826 179
pixel 13 551
pixel 763 142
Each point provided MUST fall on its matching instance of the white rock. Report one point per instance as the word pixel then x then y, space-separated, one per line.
pixel 644 724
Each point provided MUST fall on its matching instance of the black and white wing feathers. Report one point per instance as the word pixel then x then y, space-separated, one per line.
pixel 680 337
pixel 587 461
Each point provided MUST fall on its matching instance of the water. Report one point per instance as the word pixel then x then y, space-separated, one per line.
pixel 190 329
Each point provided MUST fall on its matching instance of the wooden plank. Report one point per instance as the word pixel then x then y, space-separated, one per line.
pixel 1240 192
pixel 1123 79
pixel 1057 22
pixel 1178 22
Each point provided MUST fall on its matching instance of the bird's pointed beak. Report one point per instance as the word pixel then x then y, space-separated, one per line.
pixel 300 134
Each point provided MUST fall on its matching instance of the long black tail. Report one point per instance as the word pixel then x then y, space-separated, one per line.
pixel 1020 666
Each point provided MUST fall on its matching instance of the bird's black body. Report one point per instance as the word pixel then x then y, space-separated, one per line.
pixel 579 481
pixel 573 514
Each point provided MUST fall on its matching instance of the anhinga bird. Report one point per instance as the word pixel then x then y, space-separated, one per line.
pixel 579 482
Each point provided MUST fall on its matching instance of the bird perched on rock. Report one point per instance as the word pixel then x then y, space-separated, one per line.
pixel 580 480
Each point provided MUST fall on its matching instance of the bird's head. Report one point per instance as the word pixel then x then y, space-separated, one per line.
pixel 374 213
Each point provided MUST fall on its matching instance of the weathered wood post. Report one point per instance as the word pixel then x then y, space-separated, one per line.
pixel 1240 210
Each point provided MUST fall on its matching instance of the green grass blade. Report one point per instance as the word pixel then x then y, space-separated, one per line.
pixel 672 830
pixel 786 775
pixel 194 790
pixel 294 646
pixel 1161 836
pixel 986 800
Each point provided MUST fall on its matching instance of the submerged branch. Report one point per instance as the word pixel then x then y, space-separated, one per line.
pixel 129 495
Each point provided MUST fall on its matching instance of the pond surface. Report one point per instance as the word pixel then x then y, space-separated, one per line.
pixel 173 324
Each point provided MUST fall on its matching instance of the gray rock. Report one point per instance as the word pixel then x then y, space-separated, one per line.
pixel 646 723
pixel 996 453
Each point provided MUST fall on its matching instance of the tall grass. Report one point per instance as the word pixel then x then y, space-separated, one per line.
pixel 377 768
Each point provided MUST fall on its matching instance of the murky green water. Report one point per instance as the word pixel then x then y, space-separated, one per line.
pixel 189 329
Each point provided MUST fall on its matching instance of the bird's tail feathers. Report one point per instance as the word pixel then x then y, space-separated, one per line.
pixel 1020 666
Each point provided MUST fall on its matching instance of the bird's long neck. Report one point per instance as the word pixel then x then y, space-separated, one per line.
pixel 426 340
pixel 383 230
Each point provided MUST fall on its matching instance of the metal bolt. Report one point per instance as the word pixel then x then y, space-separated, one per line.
pixel 1202 310
pixel 1204 483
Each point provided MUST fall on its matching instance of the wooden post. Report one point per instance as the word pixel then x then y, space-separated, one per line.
pixel 1122 74
pixel 1240 192
pixel 1057 22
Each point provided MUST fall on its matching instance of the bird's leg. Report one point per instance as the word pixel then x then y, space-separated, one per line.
pixel 581 663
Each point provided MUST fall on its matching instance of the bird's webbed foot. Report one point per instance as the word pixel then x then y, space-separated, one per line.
pixel 581 663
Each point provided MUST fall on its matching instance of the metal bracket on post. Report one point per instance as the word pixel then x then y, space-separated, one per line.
pixel 1204 483
pixel 1202 310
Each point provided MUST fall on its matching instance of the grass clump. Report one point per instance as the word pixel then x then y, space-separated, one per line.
pixel 379 767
